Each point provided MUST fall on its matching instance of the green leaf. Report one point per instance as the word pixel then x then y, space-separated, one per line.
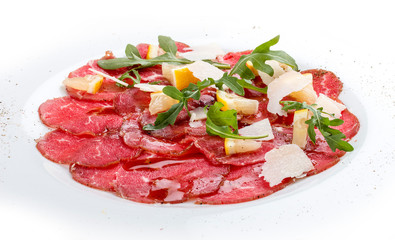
pixel 192 91
pixel 154 83
pixel 241 68
pixel 336 122
pixel 217 64
pixel 289 105
pixel 115 63
pixel 132 52
pixel 167 44
pixel 173 92
pixel 232 83
pixel 333 138
pixel 136 78
pixel 166 118
pixel 283 57
pixel 224 123
pixel 248 85
pixel 221 131
pixel 258 57
pixel 310 130
pixel 223 118
pixel 205 83
pixel 265 47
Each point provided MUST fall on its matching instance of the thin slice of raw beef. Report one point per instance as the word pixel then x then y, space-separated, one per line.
pixel 153 75
pixel 351 124
pixel 169 181
pixel 135 137
pixel 99 178
pixel 99 151
pixel 131 101
pixel 79 117
pixel 231 58
pixel 322 161
pixel 326 82
pixel 243 184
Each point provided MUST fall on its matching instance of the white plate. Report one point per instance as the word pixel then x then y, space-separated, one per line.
pixel 352 199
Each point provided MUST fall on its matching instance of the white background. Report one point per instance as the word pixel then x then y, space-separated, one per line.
pixel 41 40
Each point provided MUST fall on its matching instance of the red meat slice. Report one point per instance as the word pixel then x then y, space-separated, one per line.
pixel 99 178
pixel 143 49
pixel 60 147
pixel 153 74
pixel 131 101
pixel 323 160
pixel 134 137
pixel 231 58
pixel 100 151
pixel 169 181
pixel 326 82
pixel 351 124
pixel 182 47
pixel 79 117
pixel 242 184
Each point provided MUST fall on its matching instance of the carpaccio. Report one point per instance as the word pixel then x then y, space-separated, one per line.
pixel 100 137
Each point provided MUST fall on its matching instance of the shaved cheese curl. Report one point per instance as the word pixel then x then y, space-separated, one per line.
pixel 281 87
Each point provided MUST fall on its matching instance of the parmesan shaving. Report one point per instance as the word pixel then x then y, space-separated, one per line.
pixel 260 128
pixel 283 162
pixel 203 70
pixel 282 86
pixel 209 51
pixel 330 106
pixel 197 114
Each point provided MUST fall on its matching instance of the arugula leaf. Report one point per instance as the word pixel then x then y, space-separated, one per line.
pixel 224 123
pixel 258 57
pixel 116 63
pixel 173 92
pixel 332 136
pixel 223 118
pixel 205 83
pixel 131 51
pixel 217 64
pixel 232 83
pixel 166 118
pixel 265 47
pixel 246 84
pixel 136 78
pixel 154 83
pixel 192 91
pixel 167 44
